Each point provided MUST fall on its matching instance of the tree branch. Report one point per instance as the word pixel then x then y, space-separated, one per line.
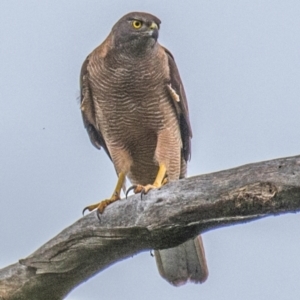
pixel 164 218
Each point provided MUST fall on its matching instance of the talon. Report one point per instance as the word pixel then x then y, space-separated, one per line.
pixel 160 180
pixel 83 211
pixel 143 189
pixel 90 207
pixel 133 187
pixel 115 197
pixel 149 187
pixel 98 215
pixel 102 205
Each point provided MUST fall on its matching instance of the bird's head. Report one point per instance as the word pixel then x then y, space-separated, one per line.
pixel 136 32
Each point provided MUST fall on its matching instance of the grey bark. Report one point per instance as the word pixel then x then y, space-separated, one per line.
pixel 164 218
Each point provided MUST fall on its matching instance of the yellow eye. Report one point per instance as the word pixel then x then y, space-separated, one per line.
pixel 136 24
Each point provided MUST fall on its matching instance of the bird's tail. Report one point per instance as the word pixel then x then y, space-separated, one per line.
pixel 182 263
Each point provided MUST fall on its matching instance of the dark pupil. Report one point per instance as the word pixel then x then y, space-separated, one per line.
pixel 137 24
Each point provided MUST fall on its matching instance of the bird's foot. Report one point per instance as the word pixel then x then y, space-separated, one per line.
pixel 102 205
pixel 115 197
pixel 160 180
pixel 143 189
pixel 165 181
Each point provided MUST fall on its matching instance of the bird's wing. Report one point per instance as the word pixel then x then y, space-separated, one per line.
pixel 88 109
pixel 177 93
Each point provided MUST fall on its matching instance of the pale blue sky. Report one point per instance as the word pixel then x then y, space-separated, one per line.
pixel 240 64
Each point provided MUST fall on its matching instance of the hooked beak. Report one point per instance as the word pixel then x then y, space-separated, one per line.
pixel 153 30
pixel 153 26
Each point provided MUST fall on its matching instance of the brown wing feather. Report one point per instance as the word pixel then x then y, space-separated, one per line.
pixel 88 110
pixel 181 106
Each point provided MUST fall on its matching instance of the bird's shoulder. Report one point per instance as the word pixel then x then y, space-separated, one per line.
pixel 102 50
pixel 97 55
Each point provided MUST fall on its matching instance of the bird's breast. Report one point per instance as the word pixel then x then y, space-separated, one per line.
pixel 129 99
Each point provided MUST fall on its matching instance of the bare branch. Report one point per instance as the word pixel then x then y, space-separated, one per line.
pixel 163 219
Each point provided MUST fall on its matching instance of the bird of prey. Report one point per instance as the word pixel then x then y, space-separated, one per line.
pixel 134 107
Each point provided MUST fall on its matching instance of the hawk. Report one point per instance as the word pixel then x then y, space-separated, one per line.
pixel 134 106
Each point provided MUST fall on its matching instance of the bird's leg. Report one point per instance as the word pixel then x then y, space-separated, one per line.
pixel 159 181
pixel 115 196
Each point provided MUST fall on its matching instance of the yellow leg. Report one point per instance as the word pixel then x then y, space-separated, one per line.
pixel 160 176
pixel 158 182
pixel 115 197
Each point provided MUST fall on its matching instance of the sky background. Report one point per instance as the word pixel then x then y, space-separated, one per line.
pixel 240 63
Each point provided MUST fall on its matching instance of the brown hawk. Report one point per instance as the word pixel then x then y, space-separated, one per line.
pixel 134 106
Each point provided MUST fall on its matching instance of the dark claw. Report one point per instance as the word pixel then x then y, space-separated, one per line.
pixel 142 193
pixel 98 215
pixel 86 208
pixel 130 189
